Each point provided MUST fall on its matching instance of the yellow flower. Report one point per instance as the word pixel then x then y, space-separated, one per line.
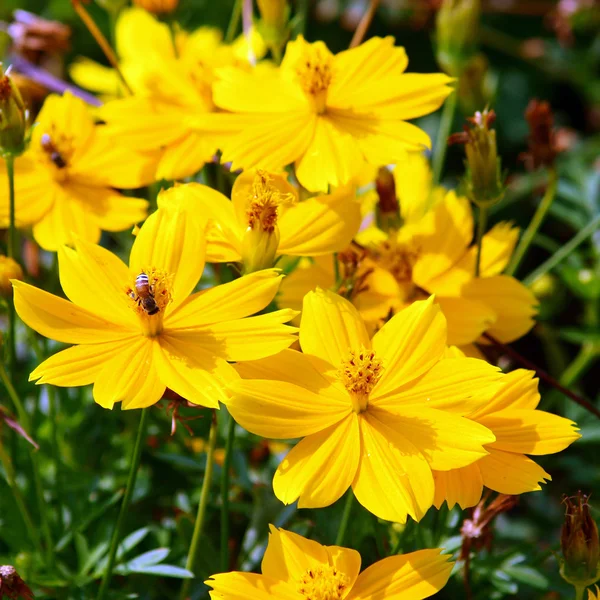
pixel 265 220
pixel 295 568
pixel 377 415
pixel 520 429
pixel 327 113
pixel 9 269
pixel 64 181
pixel 593 595
pixel 133 339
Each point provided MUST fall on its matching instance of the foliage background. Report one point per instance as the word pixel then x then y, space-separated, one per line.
pixel 93 446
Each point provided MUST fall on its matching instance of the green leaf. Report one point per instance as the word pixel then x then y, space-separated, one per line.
pixel 153 557
pixel 527 575
pixel 158 570
pixel 579 336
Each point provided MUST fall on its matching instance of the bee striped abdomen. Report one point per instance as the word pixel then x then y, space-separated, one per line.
pixel 145 294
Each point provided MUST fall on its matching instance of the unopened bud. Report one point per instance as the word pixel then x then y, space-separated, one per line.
pixel 274 24
pixel 579 543
pixel 9 269
pixel 456 33
pixel 259 248
pixel 477 84
pixel 543 147
pixel 11 584
pixel 12 117
pixel 388 207
pixel 157 7
pixel 483 180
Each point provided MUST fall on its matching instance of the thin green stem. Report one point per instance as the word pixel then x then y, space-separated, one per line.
pixel 441 141
pixel 336 271
pixel 564 251
pixel 53 418
pixel 535 223
pixel 202 505
pixel 481 227
pixel 11 252
pixel 23 416
pixel 300 18
pixel 225 494
pixel 339 540
pixel 234 22
pixel 579 592
pixel 580 364
pixel 133 470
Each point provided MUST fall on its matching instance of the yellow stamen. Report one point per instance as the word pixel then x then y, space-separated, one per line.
pixel 324 582
pixel 315 73
pixel 160 292
pixel 359 374
pixel 264 202
pixel 397 258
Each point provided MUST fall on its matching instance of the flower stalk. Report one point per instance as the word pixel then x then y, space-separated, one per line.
pixel 441 140
pixel 339 540
pixel 481 226
pixel 225 494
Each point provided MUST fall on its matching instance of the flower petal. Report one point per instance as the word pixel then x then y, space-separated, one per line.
pixel 446 440
pixel 462 486
pixel 281 410
pixel 186 156
pixel 229 301
pixel 393 478
pixel 250 586
pixel 321 467
pixel 61 320
pixel 409 344
pixel 331 327
pixel 466 319
pixel 405 577
pixel 509 473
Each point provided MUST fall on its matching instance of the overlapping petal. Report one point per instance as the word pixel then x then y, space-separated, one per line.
pixel 243 586
pixel 462 486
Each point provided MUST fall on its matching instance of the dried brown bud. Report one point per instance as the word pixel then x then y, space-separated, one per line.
pixel 33 36
pixel 12 586
pixel 388 207
pixel 157 7
pixel 579 543
pixel 543 147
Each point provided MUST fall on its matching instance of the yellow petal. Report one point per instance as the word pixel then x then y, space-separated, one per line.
pixel 245 339
pixel 530 431
pixel 405 577
pixel 409 344
pixel 79 365
pixel 413 179
pixel 446 440
pixel 171 241
pixel 90 75
pixel 514 304
pixel 281 410
pixel 234 300
pixel 509 473
pixel 393 478
pixel 462 486
pixel 130 377
pixel 459 387
pixel 331 327
pixel 321 467
pixel 186 156
pixel 466 319
pixel 61 320
pixel 497 248
pixel 320 225
pixel 96 279
pixel 242 586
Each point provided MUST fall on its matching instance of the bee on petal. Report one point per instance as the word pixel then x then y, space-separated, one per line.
pixel 49 147
pixel 144 294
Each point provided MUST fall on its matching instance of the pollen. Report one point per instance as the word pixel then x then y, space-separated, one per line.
pixel 314 71
pixel 359 374
pixel 324 582
pixel 264 202
pixel 149 302
pixel 397 258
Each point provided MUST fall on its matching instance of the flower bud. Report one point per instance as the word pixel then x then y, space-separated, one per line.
pixel 456 31
pixel 11 584
pixel 543 147
pixel 579 543
pixel 157 7
pixel 9 269
pixel 388 207
pixel 273 25
pixel 12 117
pixel 477 84
pixel 259 248
pixel 483 180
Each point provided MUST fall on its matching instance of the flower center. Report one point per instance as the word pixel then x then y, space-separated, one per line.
pixel 148 297
pixel 359 374
pixel 315 72
pixel 57 149
pixel 265 200
pixel 324 582
pixel 399 259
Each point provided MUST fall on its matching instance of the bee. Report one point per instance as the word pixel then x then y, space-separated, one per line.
pixel 49 147
pixel 144 294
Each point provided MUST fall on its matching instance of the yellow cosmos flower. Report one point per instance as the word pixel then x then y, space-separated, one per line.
pixel 373 412
pixel 64 181
pixel 265 220
pixel 593 595
pixel 326 113
pixel 295 568
pixel 520 429
pixel 172 84
pixel 138 330
pixel 432 253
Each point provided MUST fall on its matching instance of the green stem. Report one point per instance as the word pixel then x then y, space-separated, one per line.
pixel 481 226
pixel 234 22
pixel 300 18
pixel 53 418
pixel 23 416
pixel 441 141
pixel 133 470
pixel 202 505
pixel 336 271
pixel 11 252
pixel 580 364
pixel 564 251
pixel 225 495
pixel 579 592
pixel 339 540
pixel 535 223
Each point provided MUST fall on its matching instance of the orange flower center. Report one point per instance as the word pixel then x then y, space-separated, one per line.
pixel 324 582
pixel 359 374
pixel 149 295
pixel 399 259
pixel 315 72
pixel 265 200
